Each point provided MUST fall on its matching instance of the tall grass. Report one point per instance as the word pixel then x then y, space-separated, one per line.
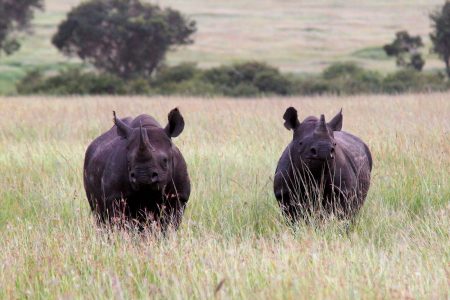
pixel 233 242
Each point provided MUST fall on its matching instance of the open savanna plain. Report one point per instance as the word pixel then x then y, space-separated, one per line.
pixel 296 36
pixel 233 242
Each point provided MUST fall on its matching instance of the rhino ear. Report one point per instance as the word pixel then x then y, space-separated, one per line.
pixel 176 123
pixel 336 122
pixel 123 129
pixel 291 118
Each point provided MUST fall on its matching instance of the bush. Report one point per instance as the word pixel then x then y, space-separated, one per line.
pixel 30 82
pixel 139 86
pixel 239 80
pixel 176 74
pixel 193 87
pixel 412 81
pixel 342 69
pixel 341 79
pixel 270 82
pixel 366 82
pixel 71 82
pixel 224 76
pixel 401 82
pixel 313 86
pixel 248 79
pixel 348 78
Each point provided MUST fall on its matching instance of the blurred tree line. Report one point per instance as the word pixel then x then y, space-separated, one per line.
pixel 15 17
pixel 126 41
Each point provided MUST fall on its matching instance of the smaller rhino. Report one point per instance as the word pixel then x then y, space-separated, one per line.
pixel 324 171
pixel 134 172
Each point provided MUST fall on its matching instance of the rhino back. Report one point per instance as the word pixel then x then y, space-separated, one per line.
pixel 358 165
pixel 180 177
pixel 104 156
pixel 103 142
pixel 145 121
pixel 283 172
pixel 355 150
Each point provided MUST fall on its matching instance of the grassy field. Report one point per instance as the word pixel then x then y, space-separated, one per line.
pixel 297 36
pixel 233 243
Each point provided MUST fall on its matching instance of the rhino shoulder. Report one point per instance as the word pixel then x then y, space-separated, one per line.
pixel 354 149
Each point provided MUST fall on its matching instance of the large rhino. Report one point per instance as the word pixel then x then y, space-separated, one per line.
pixel 134 172
pixel 324 171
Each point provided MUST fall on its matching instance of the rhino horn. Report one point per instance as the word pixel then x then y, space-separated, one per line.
pixel 144 142
pixel 322 127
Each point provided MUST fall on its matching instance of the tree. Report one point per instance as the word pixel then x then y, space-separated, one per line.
pixel 406 49
pixel 127 38
pixel 15 16
pixel 441 34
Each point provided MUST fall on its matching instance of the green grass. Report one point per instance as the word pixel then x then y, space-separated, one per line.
pixel 373 53
pixel 233 242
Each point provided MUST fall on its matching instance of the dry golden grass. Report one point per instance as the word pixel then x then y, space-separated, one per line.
pixel 233 242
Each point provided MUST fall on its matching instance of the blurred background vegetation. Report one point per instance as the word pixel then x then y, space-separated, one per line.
pixel 231 48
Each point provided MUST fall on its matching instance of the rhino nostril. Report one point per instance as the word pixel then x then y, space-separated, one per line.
pixel 332 153
pixel 154 176
pixel 313 151
pixel 132 174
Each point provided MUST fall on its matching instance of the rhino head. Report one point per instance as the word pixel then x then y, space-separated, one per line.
pixel 150 152
pixel 313 144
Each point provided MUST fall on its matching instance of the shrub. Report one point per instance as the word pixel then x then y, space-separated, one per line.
pixel 341 69
pixel 30 82
pixel 193 87
pixel 72 81
pixel 139 86
pixel 312 85
pixel 249 78
pixel 270 82
pixel 348 78
pixel 176 74
pixel 223 76
pixel 365 82
pixel 413 81
pixel 401 82
pixel 240 80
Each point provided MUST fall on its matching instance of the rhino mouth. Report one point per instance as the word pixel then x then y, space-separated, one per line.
pixel 146 185
pixel 317 159
pixel 315 163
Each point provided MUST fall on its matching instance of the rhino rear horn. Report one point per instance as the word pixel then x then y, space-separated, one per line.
pixel 123 129
pixel 322 126
pixel 176 123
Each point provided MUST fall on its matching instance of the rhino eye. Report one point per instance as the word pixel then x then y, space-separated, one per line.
pixel 300 143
